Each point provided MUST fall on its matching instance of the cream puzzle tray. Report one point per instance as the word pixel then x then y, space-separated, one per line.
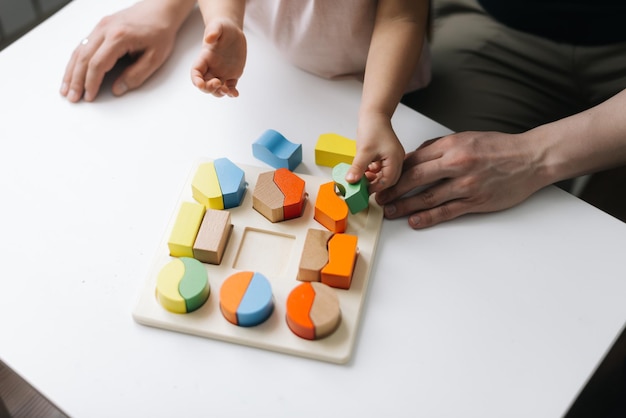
pixel 273 249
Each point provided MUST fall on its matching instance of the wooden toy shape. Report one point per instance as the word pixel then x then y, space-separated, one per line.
pixel 342 254
pixel 246 299
pixel 185 229
pixel 281 260
pixel 332 149
pixel 274 149
pixel 205 186
pixel 313 311
pixel 182 285
pixel 212 236
pixel 330 210
pixel 293 188
pixel 232 182
pixel 267 198
pixel 279 195
pixel 314 255
pixel 356 195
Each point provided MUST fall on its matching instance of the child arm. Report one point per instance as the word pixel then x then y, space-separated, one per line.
pixel 395 48
pixel 223 55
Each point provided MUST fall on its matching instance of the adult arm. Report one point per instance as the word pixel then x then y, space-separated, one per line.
pixel 473 172
pixel 146 30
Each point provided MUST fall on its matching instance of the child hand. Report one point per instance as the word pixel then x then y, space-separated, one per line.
pixel 379 154
pixel 221 60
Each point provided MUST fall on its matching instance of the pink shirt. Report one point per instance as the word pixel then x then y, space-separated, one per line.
pixel 329 38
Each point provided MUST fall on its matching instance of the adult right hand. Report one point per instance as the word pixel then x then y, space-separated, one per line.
pixel 145 31
pixel 467 172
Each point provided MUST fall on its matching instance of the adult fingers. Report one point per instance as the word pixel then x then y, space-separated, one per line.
pixel 137 73
pixel 414 176
pixel 434 205
pixel 442 213
pixel 67 76
pixel 428 198
pixel 427 151
pixel 102 61
pixel 76 71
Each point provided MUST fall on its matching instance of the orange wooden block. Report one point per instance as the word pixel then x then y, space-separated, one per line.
pixel 342 254
pixel 267 198
pixel 232 292
pixel 313 310
pixel 314 255
pixel 292 188
pixel 299 304
pixel 331 210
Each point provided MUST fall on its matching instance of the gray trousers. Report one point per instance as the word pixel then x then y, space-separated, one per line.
pixel 487 76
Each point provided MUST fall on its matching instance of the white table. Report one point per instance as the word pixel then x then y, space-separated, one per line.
pixel 498 315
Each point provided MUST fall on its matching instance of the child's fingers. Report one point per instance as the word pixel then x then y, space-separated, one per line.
pixel 359 166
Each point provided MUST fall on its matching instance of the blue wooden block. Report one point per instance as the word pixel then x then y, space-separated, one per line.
pixel 275 150
pixel 257 303
pixel 232 180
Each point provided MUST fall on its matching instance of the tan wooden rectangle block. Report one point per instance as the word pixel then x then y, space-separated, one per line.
pixel 212 237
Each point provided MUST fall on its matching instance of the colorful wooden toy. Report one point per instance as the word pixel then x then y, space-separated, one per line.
pixel 330 210
pixel 292 187
pixel 332 149
pixel 342 255
pixel 267 198
pixel 182 285
pixel 281 253
pixel 219 184
pixel 313 311
pixel 356 195
pixel 232 181
pixel 279 195
pixel 314 255
pixel 212 236
pixel 185 229
pixel 205 186
pixel 246 299
pixel 276 150
pixel 328 258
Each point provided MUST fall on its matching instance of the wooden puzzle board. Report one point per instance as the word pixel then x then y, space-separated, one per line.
pixel 273 249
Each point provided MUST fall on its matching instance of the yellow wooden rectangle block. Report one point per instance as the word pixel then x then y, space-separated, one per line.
pixel 332 149
pixel 185 229
pixel 212 236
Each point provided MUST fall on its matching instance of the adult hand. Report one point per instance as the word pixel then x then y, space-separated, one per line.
pixel 146 31
pixel 468 172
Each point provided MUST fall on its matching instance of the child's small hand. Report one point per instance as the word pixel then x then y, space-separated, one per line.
pixel 221 60
pixel 379 154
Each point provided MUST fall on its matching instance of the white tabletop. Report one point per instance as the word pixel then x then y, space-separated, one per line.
pixel 504 314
